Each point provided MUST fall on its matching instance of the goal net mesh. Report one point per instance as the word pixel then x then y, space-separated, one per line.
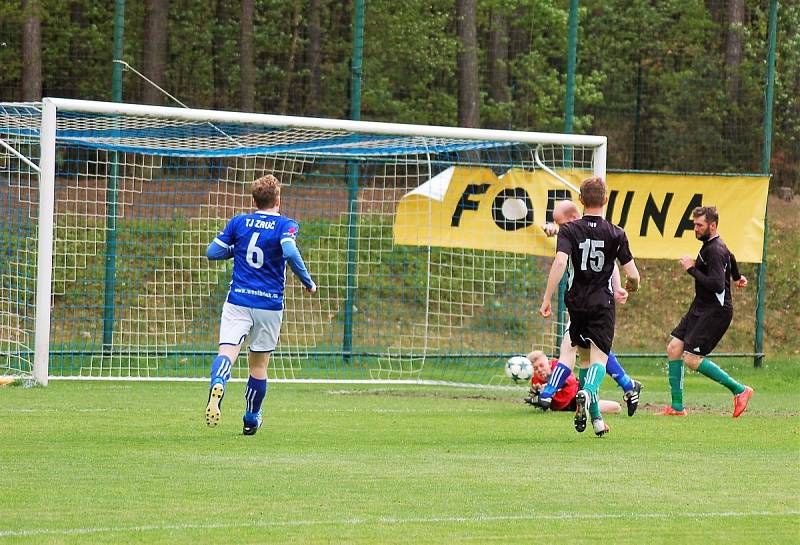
pixel 138 199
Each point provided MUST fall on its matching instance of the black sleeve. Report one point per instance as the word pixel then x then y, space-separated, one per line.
pixel 714 280
pixel 735 268
pixel 624 252
pixel 564 240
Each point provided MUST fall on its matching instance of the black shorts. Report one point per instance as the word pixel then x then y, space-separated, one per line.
pixel 596 326
pixel 701 329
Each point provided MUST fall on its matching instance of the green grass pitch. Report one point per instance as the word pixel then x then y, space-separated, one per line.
pixel 130 462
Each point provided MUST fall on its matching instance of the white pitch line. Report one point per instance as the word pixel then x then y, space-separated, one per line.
pixel 389 521
pixel 276 410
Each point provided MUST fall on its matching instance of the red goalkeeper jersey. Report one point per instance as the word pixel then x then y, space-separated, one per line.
pixel 565 395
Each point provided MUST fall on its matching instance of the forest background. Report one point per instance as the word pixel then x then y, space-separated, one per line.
pixel 677 85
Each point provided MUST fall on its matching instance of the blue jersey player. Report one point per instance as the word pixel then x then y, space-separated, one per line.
pixel 261 244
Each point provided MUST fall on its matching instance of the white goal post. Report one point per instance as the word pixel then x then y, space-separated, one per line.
pixel 416 282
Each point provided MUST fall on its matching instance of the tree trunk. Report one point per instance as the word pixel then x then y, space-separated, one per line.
pixel 247 84
pixel 290 64
pixel 468 105
pixel 733 48
pixel 155 49
pixel 218 65
pixel 31 51
pixel 76 54
pixel 498 59
pixel 314 59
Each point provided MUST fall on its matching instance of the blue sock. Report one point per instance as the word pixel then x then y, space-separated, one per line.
pixel 556 381
pixel 221 370
pixel 254 395
pixel 616 371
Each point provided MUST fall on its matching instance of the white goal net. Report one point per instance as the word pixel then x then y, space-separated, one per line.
pixel 425 241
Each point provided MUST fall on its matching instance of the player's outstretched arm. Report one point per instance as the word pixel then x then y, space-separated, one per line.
pixel 296 263
pixel 632 279
pixel 739 279
pixel 550 229
pixel 620 293
pixel 556 273
pixel 218 250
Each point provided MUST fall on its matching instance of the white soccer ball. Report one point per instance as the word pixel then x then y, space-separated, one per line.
pixel 519 368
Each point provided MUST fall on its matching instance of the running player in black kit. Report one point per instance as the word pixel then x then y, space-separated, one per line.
pixel 708 317
pixel 587 248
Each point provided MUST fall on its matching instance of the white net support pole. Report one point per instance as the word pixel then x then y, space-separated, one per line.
pixel 45 242
pixel 600 154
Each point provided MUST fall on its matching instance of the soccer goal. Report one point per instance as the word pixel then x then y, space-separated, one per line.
pixel 425 241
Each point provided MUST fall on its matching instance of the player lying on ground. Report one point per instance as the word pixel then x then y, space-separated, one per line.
pixel 260 243
pixel 709 315
pixel 589 246
pixel 564 398
pixel 564 212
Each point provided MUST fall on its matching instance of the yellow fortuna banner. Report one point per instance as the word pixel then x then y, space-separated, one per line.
pixel 468 207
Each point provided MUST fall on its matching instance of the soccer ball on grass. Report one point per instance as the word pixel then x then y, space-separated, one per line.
pixel 519 368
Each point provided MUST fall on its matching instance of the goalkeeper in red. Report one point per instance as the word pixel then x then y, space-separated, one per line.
pixel 261 244
pixel 709 315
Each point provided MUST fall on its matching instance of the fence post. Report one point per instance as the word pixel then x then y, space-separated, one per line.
pixel 352 182
pixel 766 156
pixel 569 112
pixel 110 272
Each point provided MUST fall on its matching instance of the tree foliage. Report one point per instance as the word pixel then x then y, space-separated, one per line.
pixel 672 83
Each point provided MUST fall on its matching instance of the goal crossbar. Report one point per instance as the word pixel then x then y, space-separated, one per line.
pixel 366 127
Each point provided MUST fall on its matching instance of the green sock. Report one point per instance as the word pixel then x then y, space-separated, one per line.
pixel 582 377
pixel 676 383
pixel 594 376
pixel 712 371
pixel 594 410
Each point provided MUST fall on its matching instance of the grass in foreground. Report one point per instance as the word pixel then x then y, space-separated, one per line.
pixel 88 462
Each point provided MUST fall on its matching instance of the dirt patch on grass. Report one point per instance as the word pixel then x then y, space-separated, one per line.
pixel 414 393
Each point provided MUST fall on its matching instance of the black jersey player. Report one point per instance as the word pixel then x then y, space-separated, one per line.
pixel 709 315
pixel 587 249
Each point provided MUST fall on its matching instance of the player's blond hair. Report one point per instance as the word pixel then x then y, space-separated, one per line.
pixel 266 191
pixel 593 192
pixel 535 355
